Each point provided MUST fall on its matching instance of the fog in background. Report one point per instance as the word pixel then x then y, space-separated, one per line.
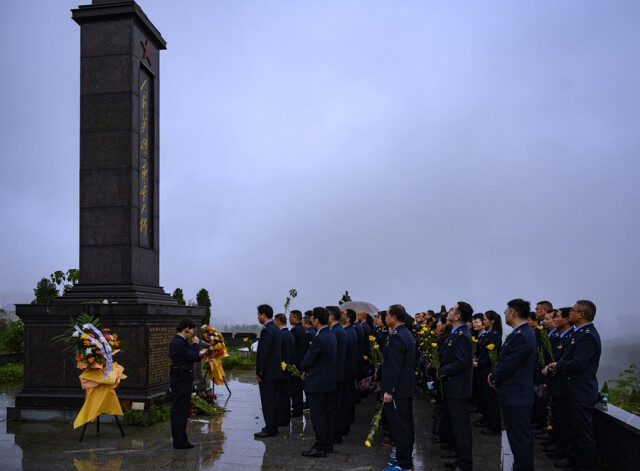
pixel 417 152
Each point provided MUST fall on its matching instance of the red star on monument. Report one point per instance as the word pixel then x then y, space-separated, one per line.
pixel 147 51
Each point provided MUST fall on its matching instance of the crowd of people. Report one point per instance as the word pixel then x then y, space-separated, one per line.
pixel 537 382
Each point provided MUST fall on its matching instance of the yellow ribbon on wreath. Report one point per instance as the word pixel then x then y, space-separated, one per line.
pixel 100 394
pixel 215 371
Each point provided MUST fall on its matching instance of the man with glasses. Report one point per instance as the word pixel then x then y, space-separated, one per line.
pixel 513 378
pixel 577 370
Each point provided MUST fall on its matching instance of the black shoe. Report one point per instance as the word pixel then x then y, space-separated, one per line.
pixel 563 464
pixel 490 432
pixel 447 446
pixel 450 464
pixel 329 450
pixel 447 455
pixel 284 424
pixel 263 434
pixel 548 443
pixel 183 447
pixel 296 414
pixel 542 436
pixel 481 423
pixel 314 453
pixel 336 441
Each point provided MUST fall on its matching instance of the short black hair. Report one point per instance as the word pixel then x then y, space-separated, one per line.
pixel 266 310
pixel 334 311
pixel 465 310
pixel 564 312
pixel 296 314
pixel 184 324
pixel 398 311
pixel 351 315
pixel 520 307
pixel 281 318
pixel 545 304
pixel 321 315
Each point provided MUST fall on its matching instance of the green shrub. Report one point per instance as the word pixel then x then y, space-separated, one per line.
pixel 159 414
pixel 235 362
pixel 12 337
pixel 134 417
pixel 626 394
pixel 11 372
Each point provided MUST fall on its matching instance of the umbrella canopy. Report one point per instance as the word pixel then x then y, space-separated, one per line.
pixel 359 306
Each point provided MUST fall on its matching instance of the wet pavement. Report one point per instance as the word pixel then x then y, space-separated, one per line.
pixel 226 442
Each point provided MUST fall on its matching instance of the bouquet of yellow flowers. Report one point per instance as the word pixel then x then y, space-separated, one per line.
pixel 493 356
pixel 376 356
pixel 213 342
pixel 291 368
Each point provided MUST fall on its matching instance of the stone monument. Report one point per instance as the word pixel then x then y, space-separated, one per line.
pixel 119 221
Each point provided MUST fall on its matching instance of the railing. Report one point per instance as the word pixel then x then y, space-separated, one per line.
pixel 617 434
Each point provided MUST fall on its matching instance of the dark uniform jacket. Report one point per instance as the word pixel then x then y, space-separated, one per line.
pixel 319 362
pixel 269 356
pixel 286 347
pixel 456 364
pixel 183 355
pixel 559 344
pixel 398 374
pixel 350 353
pixel 579 365
pixel 484 360
pixel 300 344
pixel 341 339
pixel 514 374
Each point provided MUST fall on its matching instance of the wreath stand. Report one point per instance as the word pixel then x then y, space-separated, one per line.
pixel 84 427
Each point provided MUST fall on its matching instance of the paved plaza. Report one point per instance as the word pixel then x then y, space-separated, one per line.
pixel 227 442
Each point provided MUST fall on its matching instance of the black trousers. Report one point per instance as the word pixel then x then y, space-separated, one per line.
pixel 458 410
pixel 517 420
pixel 295 391
pixel 284 403
pixel 400 416
pixel 582 444
pixel 491 407
pixel 269 400
pixel 319 405
pixel 335 418
pixel 180 402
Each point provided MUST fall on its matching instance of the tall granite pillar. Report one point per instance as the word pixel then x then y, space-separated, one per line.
pixel 119 221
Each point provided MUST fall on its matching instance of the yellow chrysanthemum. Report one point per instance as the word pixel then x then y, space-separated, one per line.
pixel 491 346
pixel 246 339
pixel 540 327
pixel 372 338
pixel 365 357
pixel 367 443
pixel 283 365
pixel 376 346
pixel 434 345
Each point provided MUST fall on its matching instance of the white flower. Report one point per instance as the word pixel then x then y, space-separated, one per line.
pixel 86 326
pixel 75 333
pixel 88 351
pixel 105 302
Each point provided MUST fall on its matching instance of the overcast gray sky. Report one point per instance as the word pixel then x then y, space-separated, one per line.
pixel 410 152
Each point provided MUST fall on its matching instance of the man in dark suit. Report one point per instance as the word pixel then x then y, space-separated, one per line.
pixel 578 368
pixel 336 419
pixel 348 410
pixel 398 384
pixel 184 352
pixel 456 377
pixel 319 374
pixel 268 370
pixel 286 352
pixel 513 378
pixel 300 347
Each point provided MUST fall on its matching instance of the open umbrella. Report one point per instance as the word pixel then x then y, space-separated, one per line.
pixel 359 306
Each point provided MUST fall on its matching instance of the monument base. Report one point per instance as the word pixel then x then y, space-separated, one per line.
pixel 51 385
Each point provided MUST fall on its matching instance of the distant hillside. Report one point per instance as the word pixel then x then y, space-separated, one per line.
pixel 618 354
